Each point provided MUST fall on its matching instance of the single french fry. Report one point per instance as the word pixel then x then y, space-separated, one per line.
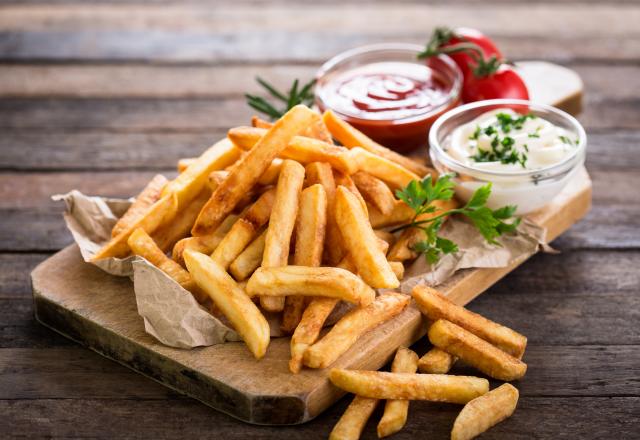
pixel 243 314
pixel 310 232
pixel 160 213
pixel 143 245
pixel 147 197
pixel 484 412
pixel 375 191
pixel 258 122
pixel 249 259
pixel 402 250
pixel 184 163
pixel 401 214
pixel 270 176
pixel 436 361
pixel 355 417
pixel 205 244
pixel 301 149
pixel 281 224
pixel 407 386
pixel 361 242
pixel 331 282
pixel 249 169
pixel 351 137
pixel 351 327
pixel 395 411
pixel 476 352
pixel 393 174
pixel 436 306
pixel 321 173
pixel 398 268
pixel 215 178
pixel 342 179
pixel 386 236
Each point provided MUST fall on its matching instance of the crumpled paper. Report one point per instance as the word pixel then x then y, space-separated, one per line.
pixel 174 317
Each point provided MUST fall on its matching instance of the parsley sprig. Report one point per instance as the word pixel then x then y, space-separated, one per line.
pixel 294 96
pixel 420 197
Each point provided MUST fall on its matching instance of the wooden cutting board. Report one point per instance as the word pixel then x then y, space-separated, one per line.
pixel 99 311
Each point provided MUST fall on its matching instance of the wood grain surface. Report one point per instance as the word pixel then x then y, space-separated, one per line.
pixel 100 94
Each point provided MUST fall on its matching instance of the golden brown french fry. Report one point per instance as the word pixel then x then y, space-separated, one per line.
pixel 484 412
pixel 476 352
pixel 249 259
pixel 386 236
pixel 375 191
pixel 393 174
pixel 321 173
pixel 205 244
pixel 395 411
pixel 215 178
pixel 310 232
pixel 184 163
pixel 401 214
pixel 256 121
pixel 143 245
pixel 433 387
pixel 398 268
pixel 270 176
pixel 147 197
pixel 283 218
pixel 249 169
pixel 301 149
pixel 436 361
pixel 351 137
pixel 355 417
pixel 351 327
pixel 342 179
pixel 402 250
pixel 331 282
pixel 243 314
pixel 361 242
pixel 160 213
pixel 436 306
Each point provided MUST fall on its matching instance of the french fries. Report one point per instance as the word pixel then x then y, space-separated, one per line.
pixel 281 223
pixel 350 137
pixel 476 352
pixel 184 163
pixel 395 411
pixel 400 214
pixel 270 176
pixel 249 169
pixel 351 327
pixel 205 244
pixel 406 386
pixel 249 259
pixel 310 232
pixel 355 417
pixel 260 123
pixel 147 197
pixel 484 412
pixel 397 268
pixel 345 180
pixel 243 314
pixel 375 191
pixel 330 282
pixel 436 361
pixel 361 242
pixel 436 306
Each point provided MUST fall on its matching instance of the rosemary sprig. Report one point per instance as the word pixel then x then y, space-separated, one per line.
pixel 291 98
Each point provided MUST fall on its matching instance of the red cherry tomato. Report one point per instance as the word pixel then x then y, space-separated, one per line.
pixel 504 83
pixel 465 60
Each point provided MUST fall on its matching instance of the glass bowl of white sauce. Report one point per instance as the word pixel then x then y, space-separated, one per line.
pixel 528 151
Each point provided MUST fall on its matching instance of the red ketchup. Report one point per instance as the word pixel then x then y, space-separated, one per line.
pixel 395 103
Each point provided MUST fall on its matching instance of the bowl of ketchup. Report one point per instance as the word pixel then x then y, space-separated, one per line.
pixel 389 94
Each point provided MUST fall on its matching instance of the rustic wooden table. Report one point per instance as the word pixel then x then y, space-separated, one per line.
pixel 101 95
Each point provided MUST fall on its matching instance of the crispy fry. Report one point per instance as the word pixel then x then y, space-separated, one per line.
pixel 436 306
pixel 283 217
pixel 257 122
pixel 433 387
pixel 143 245
pixel 243 314
pixel 270 176
pixel 310 232
pixel 436 361
pixel 205 244
pixel 355 417
pixel 375 191
pixel 350 137
pixel 387 236
pixel 351 327
pixel 397 268
pixel 476 352
pixel 249 169
pixel 484 412
pixel 215 178
pixel 301 149
pixel 184 163
pixel 342 179
pixel 401 214
pixel 361 242
pixel 393 174
pixel 249 259
pixel 147 197
pixel 395 411
pixel 331 282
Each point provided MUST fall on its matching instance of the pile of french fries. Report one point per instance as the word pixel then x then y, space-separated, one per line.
pixel 456 333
